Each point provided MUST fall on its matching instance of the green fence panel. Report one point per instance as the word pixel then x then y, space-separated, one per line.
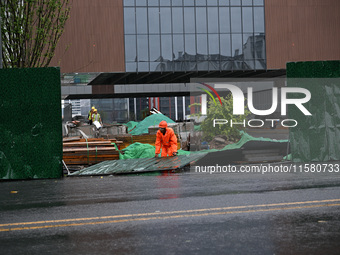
pixel 30 129
pixel 316 137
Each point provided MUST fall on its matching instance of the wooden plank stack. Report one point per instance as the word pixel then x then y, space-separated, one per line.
pixel 77 151
pixel 80 151
pixel 145 138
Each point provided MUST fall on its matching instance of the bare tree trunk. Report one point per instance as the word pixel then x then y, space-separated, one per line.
pixel 31 30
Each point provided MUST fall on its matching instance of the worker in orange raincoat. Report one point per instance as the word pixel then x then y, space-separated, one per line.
pixel 165 139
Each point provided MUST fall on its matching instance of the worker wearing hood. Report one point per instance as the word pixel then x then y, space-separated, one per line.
pixel 165 140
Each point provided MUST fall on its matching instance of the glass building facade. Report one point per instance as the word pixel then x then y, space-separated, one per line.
pixel 112 109
pixel 194 35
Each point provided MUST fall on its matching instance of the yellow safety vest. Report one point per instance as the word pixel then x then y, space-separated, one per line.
pixel 96 117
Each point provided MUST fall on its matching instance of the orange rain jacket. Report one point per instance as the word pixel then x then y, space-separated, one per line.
pixel 167 142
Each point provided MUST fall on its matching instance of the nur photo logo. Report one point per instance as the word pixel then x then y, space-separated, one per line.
pixel 208 92
pixel 241 99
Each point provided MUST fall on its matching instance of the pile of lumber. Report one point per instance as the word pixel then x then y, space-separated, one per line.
pixel 77 151
pixel 145 138
pixel 80 151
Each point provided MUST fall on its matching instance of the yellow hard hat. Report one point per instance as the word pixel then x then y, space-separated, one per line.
pixel 93 108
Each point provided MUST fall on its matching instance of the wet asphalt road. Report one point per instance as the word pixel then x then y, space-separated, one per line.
pixel 183 213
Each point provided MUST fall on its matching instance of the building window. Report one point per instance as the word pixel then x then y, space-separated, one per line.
pixel 188 35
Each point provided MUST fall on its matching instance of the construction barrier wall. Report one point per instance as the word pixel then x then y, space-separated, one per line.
pixel 316 137
pixel 30 129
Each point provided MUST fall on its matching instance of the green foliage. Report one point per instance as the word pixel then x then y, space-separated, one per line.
pixel 224 111
pixel 30 31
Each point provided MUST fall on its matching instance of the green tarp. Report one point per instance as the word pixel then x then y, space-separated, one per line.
pixel 139 150
pixel 131 125
pixel 316 137
pixel 137 166
pixel 152 120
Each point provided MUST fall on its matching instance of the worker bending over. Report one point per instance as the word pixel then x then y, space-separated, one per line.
pixel 165 140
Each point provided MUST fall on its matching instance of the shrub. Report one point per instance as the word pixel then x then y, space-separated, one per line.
pixel 224 111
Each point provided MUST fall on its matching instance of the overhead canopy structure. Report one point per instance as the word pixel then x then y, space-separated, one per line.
pixel 179 77
pixel 163 84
